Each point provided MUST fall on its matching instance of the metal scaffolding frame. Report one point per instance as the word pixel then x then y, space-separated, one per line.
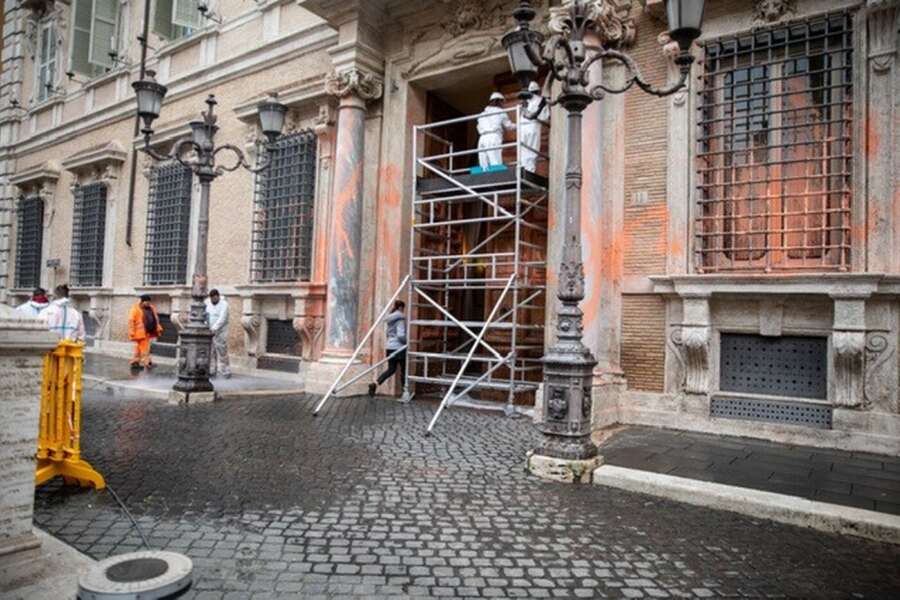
pixel 457 248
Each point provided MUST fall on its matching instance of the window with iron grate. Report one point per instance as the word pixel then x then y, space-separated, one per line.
pixel 283 211
pixel 774 157
pixel 29 242
pixel 168 225
pixel 88 235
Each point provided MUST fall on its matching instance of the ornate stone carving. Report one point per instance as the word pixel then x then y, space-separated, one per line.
pixel 471 30
pixel 325 119
pixel 671 50
pixel 849 364
pixel 692 343
pixel 251 325
pixel 881 372
pixel 882 30
pixel 770 11
pixel 310 329
pixel 354 82
pixel 612 21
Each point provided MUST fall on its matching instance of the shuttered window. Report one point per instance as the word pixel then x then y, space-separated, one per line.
pixel 46 60
pixel 94 36
pixel 168 226
pixel 29 241
pixel 283 211
pixel 88 235
pixel 174 19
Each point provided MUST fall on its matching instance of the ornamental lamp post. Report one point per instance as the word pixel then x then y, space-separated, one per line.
pixel 195 338
pixel 567 452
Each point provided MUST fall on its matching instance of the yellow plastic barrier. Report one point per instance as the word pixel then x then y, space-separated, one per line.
pixel 59 440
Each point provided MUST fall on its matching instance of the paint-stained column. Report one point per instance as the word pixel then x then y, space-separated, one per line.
pixel 882 138
pixel 354 88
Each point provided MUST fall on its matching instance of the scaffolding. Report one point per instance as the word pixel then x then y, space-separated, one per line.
pixel 477 268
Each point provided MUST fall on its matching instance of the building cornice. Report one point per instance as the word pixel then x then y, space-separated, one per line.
pixel 96 158
pixel 831 284
pixel 37 176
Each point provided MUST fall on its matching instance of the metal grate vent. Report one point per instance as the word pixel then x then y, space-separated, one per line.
pixel 168 225
pixel 282 338
pixel 29 239
pixel 88 235
pixel 283 213
pixel 773 411
pixel 777 366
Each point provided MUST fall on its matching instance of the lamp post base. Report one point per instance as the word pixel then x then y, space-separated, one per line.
pixel 177 397
pixel 195 345
pixel 562 470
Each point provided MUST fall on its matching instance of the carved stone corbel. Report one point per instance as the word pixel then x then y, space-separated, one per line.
pixel 252 325
pixel 882 29
pixel 99 310
pixel 310 329
pixel 848 342
pixel 693 343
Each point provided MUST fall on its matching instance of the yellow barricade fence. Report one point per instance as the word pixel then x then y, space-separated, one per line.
pixel 59 440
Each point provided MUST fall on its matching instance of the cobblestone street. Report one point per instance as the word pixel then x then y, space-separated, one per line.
pixel 270 502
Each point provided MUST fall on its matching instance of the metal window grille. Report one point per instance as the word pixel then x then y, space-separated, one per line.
pixel 29 241
pixel 168 225
pixel 775 150
pixel 282 338
pixel 283 212
pixel 88 235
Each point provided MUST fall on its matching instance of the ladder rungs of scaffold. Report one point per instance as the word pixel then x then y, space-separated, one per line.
pixel 338 385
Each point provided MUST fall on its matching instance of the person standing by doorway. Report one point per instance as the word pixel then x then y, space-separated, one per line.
pixel 217 319
pixel 394 346
pixel 62 318
pixel 143 328
pixel 491 125
pixel 33 307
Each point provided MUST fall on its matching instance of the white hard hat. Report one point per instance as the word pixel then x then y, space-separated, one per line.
pixel 497 96
pixel 534 87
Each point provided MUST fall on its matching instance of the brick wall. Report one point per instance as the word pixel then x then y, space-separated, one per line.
pixel 646 123
pixel 644 342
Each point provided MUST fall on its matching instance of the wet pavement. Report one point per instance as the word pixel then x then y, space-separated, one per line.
pixel 856 479
pixel 113 375
pixel 270 502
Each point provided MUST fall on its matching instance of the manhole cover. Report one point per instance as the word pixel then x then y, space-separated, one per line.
pixel 145 575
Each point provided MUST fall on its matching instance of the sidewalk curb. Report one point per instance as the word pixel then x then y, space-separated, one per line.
pixel 755 503
pixel 157 394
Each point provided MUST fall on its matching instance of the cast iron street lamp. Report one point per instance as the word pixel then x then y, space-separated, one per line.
pixel 195 338
pixel 567 452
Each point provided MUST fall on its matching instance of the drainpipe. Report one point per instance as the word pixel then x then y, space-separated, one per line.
pixel 137 127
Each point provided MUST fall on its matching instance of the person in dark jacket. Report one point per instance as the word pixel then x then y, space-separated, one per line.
pixel 394 346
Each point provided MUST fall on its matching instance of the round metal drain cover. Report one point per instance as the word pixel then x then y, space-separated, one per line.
pixel 148 575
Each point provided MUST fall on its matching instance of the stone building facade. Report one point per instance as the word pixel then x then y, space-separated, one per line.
pixel 742 237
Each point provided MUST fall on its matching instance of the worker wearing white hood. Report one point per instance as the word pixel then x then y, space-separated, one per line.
pixel 491 125
pixel 530 131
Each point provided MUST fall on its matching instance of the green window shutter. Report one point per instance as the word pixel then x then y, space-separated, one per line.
pixel 79 61
pixel 185 14
pixel 162 19
pixel 104 15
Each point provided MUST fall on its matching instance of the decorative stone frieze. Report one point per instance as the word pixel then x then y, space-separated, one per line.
pixel 354 82
pixel 771 11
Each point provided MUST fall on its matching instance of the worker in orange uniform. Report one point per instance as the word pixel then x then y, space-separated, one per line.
pixel 143 326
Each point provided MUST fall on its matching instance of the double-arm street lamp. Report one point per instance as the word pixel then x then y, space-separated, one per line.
pixel 567 452
pixel 195 338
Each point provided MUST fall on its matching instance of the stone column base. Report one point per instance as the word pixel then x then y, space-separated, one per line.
pixel 561 469
pixel 176 397
pixel 321 374
pixel 19 560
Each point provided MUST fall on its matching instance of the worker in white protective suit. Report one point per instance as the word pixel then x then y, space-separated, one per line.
pixel 491 125
pixel 530 130
pixel 217 319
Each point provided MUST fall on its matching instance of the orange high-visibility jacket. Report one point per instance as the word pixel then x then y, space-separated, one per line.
pixel 136 331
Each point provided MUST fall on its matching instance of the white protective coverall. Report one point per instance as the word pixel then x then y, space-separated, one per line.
pixel 530 131
pixel 491 124
pixel 217 317
pixel 31 308
pixel 63 320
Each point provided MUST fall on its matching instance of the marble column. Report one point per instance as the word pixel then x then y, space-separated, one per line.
pixel 354 88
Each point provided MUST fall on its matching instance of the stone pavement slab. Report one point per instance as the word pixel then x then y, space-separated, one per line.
pixel 856 479
pixel 270 502
pixel 57 578
pixel 112 375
